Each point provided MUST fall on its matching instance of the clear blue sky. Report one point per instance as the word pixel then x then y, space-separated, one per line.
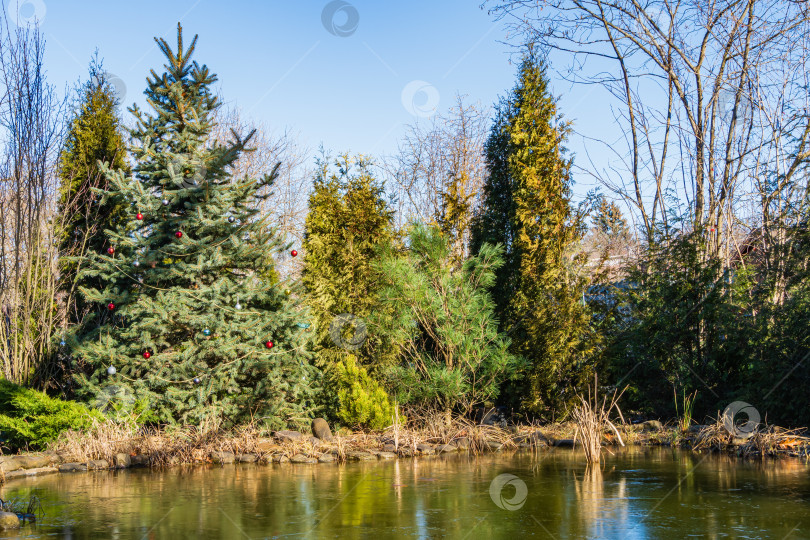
pixel 278 62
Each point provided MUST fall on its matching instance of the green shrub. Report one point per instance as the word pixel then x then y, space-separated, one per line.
pixel 361 399
pixel 32 419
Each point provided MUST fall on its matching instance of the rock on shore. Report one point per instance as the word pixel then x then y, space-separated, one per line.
pixel 320 428
pixel 9 521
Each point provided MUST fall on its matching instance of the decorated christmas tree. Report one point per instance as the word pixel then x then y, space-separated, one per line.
pixel 196 322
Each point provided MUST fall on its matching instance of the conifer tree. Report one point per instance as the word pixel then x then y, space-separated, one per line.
pixel 94 136
pixel 527 208
pixel 495 222
pixel 348 224
pixel 195 323
pixel 451 356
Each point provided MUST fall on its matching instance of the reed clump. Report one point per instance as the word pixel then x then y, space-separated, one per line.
pixel 592 420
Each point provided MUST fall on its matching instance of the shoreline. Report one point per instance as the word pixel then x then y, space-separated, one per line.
pixel 158 451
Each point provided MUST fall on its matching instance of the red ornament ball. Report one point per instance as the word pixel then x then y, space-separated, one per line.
pixel 110 250
pixel 293 253
pixel 178 234
pixel 146 354
pixel 139 216
pixel 111 306
pixel 269 344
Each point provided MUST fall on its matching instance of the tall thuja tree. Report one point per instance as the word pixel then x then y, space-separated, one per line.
pixel 494 223
pixel 94 136
pixel 348 223
pixel 195 322
pixel 528 204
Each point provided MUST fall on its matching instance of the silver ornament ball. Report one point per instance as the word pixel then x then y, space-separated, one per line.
pixel 111 370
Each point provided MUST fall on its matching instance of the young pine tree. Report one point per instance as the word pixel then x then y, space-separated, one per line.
pixel 94 136
pixel 195 323
pixel 451 354
pixel 527 208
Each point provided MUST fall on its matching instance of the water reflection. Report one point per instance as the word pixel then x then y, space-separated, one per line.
pixel 637 493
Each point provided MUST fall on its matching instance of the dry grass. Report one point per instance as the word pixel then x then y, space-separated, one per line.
pixel 764 441
pixel 592 428
pixel 175 445
pixel 432 427
pixel 592 419
pixel 712 437
pixel 102 441
pixel 773 440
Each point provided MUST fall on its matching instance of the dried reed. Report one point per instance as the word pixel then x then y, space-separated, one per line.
pixel 592 418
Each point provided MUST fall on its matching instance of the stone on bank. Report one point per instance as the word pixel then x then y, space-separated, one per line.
pixel 9 521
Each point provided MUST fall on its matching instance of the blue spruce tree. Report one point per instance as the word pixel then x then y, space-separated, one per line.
pixel 196 322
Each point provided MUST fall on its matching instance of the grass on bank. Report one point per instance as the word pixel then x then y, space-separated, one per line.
pixel 31 420
pixel 174 445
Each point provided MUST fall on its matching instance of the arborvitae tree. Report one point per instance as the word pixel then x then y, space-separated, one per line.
pixel 495 222
pixel 348 223
pixel 94 136
pixel 454 222
pixel 528 208
pixel 195 323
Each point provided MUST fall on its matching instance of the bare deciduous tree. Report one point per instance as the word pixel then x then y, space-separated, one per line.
pixel 30 120
pixel 710 98
pixel 439 170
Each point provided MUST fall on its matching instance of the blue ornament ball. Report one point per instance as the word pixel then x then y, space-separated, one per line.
pixel 206 332
pixel 62 343
pixel 196 380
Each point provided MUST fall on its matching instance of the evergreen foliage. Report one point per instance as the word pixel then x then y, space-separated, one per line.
pixel 457 213
pixel 94 136
pixel 361 401
pixel 32 419
pixel 195 321
pixel 495 221
pixel 442 319
pixel 682 328
pixel 527 209
pixel 348 224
